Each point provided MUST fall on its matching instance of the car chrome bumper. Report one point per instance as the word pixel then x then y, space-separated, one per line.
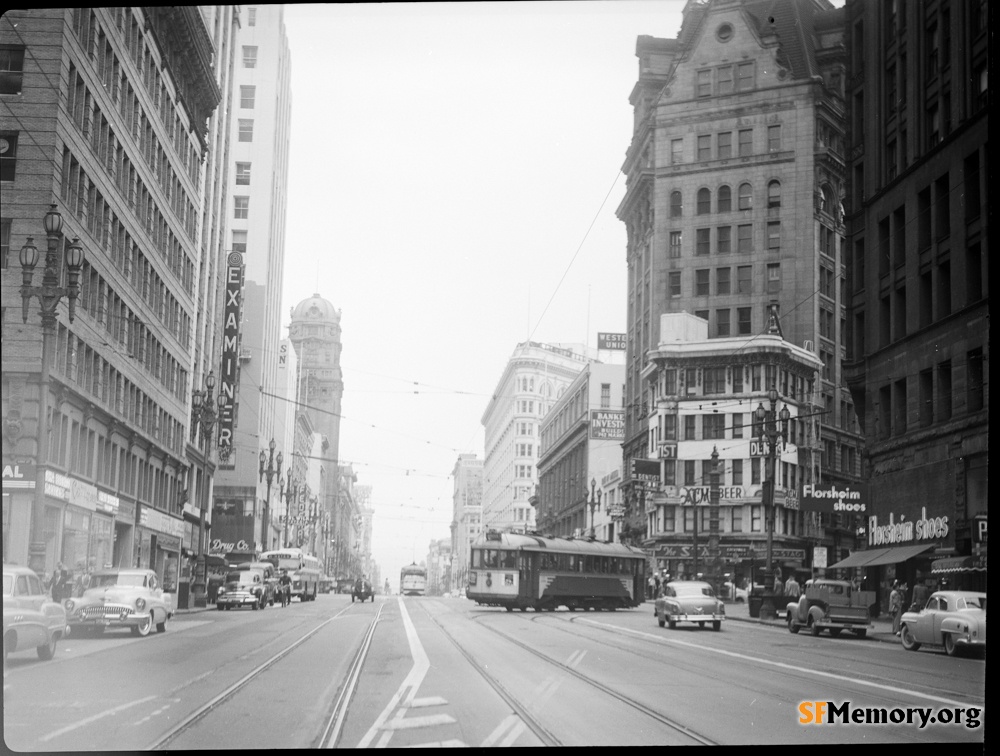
pixel 970 642
pixel 237 600
pixel 697 617
pixel 110 620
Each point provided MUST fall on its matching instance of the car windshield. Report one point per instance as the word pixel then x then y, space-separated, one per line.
pixel 104 581
pixel 8 585
pixel 693 589
pixel 244 577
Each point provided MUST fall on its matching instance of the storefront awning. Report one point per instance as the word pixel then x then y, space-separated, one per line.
pixel 955 564
pixel 875 557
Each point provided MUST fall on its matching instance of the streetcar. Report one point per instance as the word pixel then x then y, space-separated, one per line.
pixel 303 569
pixel 412 580
pixel 518 571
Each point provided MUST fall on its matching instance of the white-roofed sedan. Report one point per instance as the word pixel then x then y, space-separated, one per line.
pixel 31 619
pixel 689 601
pixel 953 619
pixel 129 598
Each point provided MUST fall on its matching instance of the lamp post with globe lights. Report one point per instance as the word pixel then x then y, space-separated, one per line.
pixel 594 503
pixel 49 294
pixel 771 425
pixel 271 472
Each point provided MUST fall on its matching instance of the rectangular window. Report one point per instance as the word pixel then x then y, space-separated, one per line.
pixel 942 209
pixel 240 241
pixel 724 240
pixel 246 129
pixel 243 174
pixel 703 241
pixel 724 145
pixel 944 391
pixel 744 76
pixel 737 423
pixel 676 151
pixel 737 467
pixel 754 471
pixel 722 328
pixel 744 280
pixel 8 155
pixel 689 427
pixel 249 56
pixel 715 425
pixel 675 283
pixel 926 396
pixel 704 147
pixel 744 238
pixel 715 383
pixel 605 395
pixel 705 82
pixel 723 281
pixel 974 380
pixel 247 96
pixel 11 69
pixel 251 16
pixel 774 138
pixel 675 243
pixel 725 80
pixel 5 225
pixel 774 236
pixel 746 142
pixel 742 321
pixel 241 206
pixel 773 278
pixel 689 479
pixel 701 279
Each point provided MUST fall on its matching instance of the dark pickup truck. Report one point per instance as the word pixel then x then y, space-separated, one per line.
pixel 833 605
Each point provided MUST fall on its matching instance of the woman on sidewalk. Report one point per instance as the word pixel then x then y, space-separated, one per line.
pixel 896 606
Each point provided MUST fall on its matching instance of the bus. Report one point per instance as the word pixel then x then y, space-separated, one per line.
pixel 412 580
pixel 303 569
pixel 518 571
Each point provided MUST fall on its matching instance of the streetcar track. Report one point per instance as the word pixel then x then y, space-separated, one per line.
pixel 200 712
pixel 532 722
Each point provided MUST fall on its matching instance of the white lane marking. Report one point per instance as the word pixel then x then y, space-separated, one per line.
pixel 545 692
pixel 410 723
pixel 441 744
pixel 513 735
pixel 157 712
pixel 429 701
pixel 509 722
pixel 88 720
pixel 575 658
pixel 783 665
pixel 416 676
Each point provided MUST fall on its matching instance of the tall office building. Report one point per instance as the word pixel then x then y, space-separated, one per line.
pixel 104 117
pixel 466 514
pixel 257 191
pixel 918 270
pixel 535 376
pixel 733 207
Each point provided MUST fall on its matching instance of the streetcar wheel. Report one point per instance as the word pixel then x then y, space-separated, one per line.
pixel 907 639
pixel 701 625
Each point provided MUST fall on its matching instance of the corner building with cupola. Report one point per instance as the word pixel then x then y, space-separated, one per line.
pixel 734 209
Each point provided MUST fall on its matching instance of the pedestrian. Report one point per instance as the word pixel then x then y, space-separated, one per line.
pixel 651 590
pixel 920 594
pixel 895 606
pixel 58 583
pixel 778 585
pixel 656 585
pixel 792 587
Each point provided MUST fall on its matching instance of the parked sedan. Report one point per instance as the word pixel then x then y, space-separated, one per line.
pixel 953 619
pixel 739 595
pixel 244 587
pixel 129 598
pixel 689 601
pixel 31 619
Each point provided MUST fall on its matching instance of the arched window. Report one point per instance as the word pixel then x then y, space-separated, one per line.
pixel 774 193
pixel 826 200
pixel 746 197
pixel 676 206
pixel 704 202
pixel 725 199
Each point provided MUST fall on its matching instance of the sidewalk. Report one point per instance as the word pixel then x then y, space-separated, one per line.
pixel 881 629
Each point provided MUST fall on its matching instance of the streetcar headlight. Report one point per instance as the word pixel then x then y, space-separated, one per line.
pixel 140 604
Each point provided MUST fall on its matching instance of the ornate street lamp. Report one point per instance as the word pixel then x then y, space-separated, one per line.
pixel 594 504
pixel 205 415
pixel 271 472
pixel 290 495
pixel 48 294
pixel 770 426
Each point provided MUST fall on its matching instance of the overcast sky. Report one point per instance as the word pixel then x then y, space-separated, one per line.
pixel 455 170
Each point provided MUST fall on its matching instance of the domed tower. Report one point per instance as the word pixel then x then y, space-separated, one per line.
pixel 315 334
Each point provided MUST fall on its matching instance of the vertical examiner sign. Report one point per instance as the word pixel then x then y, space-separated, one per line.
pixel 230 355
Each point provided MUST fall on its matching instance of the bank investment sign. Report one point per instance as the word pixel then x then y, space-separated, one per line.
pixel 607 425
pixel 230 356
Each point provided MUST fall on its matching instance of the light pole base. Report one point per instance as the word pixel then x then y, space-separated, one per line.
pixel 768 609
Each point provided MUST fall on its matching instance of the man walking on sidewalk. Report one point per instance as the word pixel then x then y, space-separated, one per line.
pixel 792 588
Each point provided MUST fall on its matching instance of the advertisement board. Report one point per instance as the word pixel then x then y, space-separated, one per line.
pixel 615 341
pixel 607 425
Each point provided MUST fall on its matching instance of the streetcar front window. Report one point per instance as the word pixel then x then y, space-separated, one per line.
pixel 508 560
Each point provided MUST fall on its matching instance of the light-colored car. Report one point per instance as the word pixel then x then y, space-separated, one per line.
pixel 689 601
pixel 738 595
pixel 31 619
pixel 129 598
pixel 243 587
pixel 953 619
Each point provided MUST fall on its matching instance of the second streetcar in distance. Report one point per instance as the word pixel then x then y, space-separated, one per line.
pixel 519 571
pixel 413 580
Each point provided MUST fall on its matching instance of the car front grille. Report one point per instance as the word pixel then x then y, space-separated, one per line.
pixel 91 612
